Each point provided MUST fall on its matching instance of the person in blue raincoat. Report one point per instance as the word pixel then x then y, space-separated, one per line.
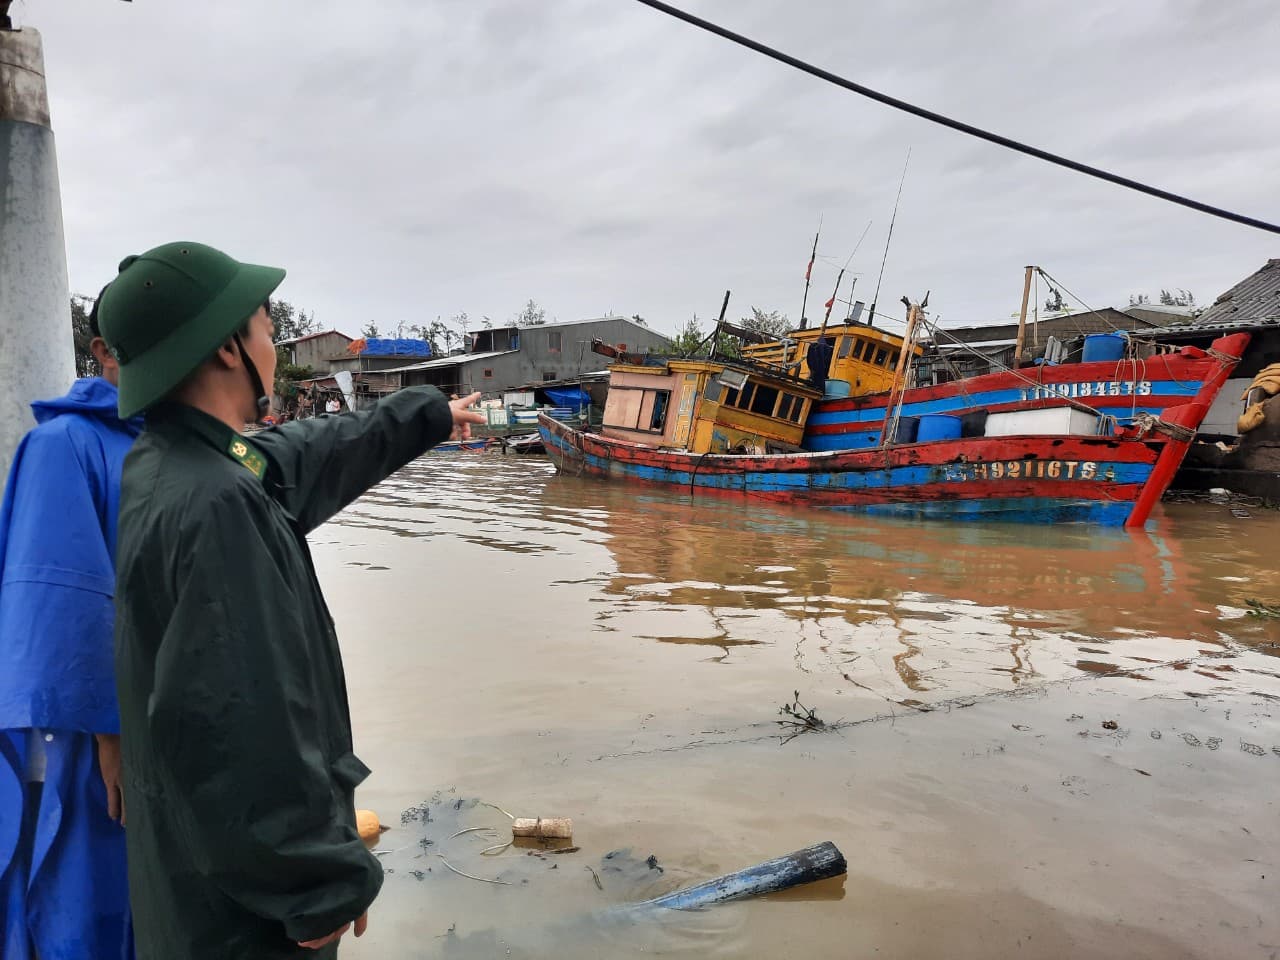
pixel 63 880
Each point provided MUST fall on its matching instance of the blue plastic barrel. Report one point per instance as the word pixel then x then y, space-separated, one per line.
pixel 908 430
pixel 836 390
pixel 938 426
pixel 1103 346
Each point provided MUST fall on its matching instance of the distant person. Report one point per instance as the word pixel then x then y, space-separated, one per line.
pixel 333 405
pixel 819 361
pixel 238 765
pixel 63 883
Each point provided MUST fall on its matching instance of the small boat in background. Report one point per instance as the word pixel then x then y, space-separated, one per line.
pixel 454 446
pixel 526 443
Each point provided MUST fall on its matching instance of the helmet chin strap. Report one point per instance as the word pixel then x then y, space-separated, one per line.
pixel 255 380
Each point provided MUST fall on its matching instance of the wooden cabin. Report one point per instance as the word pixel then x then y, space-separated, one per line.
pixel 706 406
pixel 862 356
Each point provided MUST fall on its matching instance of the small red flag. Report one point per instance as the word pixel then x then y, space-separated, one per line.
pixel 829 303
pixel 808 270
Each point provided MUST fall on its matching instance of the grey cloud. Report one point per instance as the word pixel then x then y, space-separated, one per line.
pixel 420 159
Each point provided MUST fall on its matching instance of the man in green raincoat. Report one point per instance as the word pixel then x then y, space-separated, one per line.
pixel 239 774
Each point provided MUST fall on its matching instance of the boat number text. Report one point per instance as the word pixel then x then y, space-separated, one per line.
pixel 1101 388
pixel 1026 470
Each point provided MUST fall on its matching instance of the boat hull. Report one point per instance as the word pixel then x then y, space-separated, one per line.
pixel 1023 479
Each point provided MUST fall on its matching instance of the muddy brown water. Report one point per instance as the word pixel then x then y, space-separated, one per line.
pixel 618 655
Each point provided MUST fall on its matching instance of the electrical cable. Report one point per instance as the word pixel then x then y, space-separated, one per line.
pixel 957 125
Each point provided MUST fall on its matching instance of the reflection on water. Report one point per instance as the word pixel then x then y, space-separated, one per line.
pixel 901 608
pixel 617 654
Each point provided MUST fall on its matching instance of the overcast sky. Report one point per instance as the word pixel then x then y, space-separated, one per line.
pixel 405 159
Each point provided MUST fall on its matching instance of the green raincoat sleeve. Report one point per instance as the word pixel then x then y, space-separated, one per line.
pixel 327 462
pixel 240 723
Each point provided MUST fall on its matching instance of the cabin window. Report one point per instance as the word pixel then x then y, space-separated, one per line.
pixel 765 399
pixel 555 340
pixel 846 345
pixel 743 401
pixel 881 353
pixel 636 408
pixel 790 407
pixel 857 349
pixel 661 400
pixel 488 373
pixel 548 376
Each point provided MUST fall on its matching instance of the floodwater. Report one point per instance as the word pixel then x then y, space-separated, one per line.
pixel 1040 743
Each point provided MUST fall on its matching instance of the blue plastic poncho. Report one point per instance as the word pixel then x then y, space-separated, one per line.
pixel 67 896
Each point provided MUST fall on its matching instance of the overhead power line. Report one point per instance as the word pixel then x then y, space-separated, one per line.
pixel 962 127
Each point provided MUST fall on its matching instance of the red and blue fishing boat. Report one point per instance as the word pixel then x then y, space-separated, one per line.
pixel 1091 442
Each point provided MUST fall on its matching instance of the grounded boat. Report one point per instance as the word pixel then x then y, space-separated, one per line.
pixel 1093 442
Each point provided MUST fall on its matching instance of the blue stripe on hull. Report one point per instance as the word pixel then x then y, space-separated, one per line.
pixel 855 439
pixel 1012 510
pixel 1037 509
pixel 1116 405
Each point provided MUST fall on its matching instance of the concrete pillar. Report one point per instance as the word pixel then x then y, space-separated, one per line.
pixel 37 353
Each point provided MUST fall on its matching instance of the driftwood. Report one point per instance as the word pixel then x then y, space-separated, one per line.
pixel 544 828
pixel 819 862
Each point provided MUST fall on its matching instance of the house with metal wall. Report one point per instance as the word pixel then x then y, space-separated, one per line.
pixel 502 359
pixel 316 350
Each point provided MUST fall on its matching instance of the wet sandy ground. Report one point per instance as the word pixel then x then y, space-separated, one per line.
pixel 561 647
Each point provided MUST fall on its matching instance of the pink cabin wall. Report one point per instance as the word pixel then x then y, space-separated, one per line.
pixel 629 403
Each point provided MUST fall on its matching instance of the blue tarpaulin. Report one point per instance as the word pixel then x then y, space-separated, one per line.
pixel 573 397
pixel 396 347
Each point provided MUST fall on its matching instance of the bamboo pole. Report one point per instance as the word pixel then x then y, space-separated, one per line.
pixel 1022 320
pixel 914 310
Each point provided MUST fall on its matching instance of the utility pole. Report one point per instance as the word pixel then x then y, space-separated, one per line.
pixel 37 354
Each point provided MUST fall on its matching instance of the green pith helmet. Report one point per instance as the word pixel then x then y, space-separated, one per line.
pixel 170 309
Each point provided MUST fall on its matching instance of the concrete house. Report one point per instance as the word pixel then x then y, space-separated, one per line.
pixel 316 350
pixel 507 358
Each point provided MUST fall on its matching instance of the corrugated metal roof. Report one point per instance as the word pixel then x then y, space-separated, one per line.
pixel 1255 298
pixel 312 336
pixel 454 361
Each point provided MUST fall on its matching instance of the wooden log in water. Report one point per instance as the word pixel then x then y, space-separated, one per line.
pixel 819 862
pixel 545 828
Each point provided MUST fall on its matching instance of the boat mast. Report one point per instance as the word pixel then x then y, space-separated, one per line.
pixel 1022 320
pixel 871 320
pixel 809 273
pixel 715 342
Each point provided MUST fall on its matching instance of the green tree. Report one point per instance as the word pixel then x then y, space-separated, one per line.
pixel 772 324
pixel 370 330
pixel 688 340
pixel 291 322
pixel 531 315
pixel 81 335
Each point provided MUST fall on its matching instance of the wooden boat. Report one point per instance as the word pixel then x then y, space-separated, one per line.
pixel 454 446
pixel 1088 465
pixel 525 443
